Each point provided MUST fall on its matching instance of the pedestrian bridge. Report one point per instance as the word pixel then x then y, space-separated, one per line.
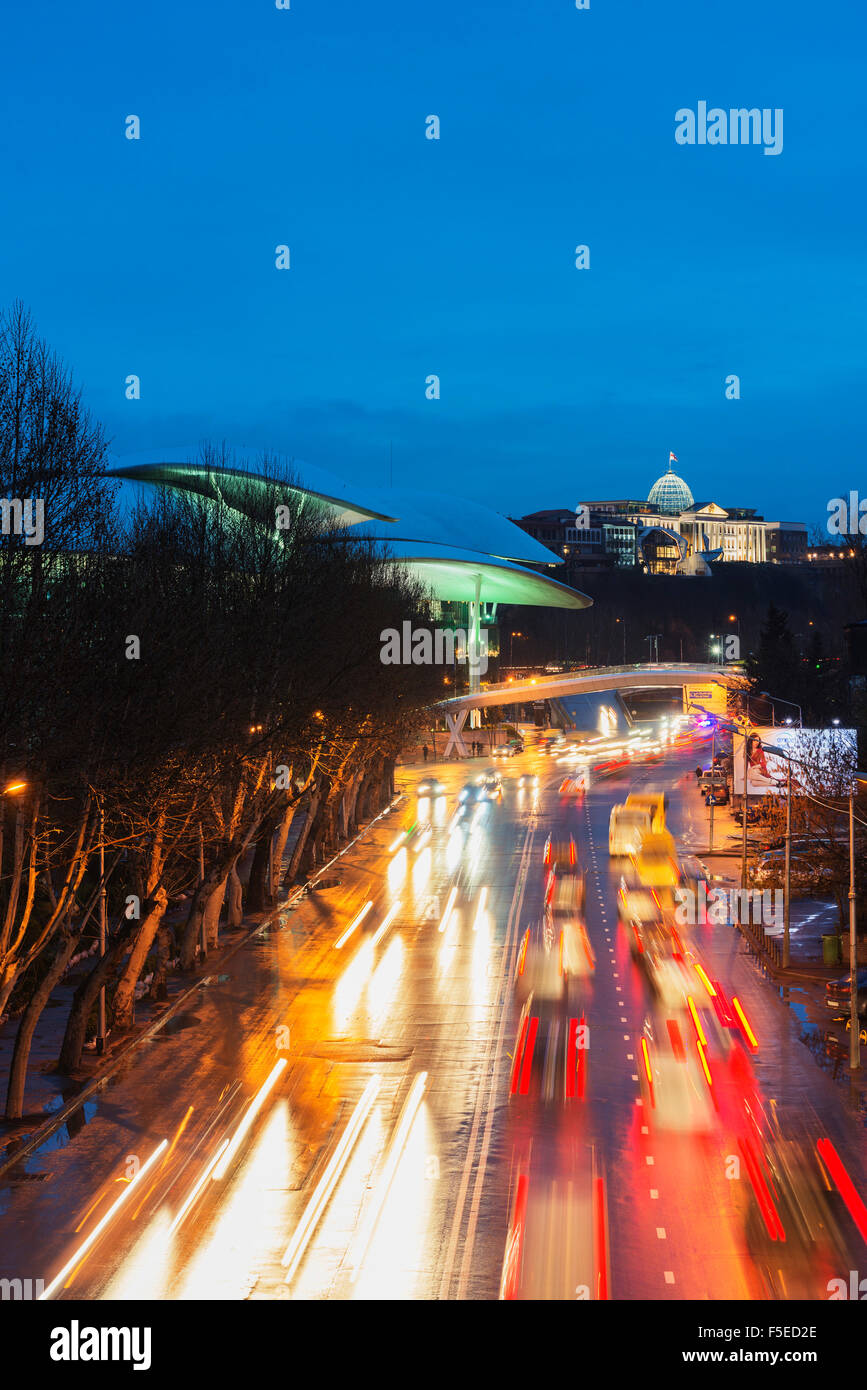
pixel 589 680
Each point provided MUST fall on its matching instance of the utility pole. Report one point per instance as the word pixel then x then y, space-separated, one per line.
pixel 787 894
pixel 712 788
pixel 854 1036
pixel 744 801
pixel 100 1027
pixel 204 943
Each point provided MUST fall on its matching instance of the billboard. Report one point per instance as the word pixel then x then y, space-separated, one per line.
pixel 711 696
pixel 767 770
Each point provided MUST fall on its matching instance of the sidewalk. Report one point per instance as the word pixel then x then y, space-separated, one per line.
pixel 802 983
pixel 53 1099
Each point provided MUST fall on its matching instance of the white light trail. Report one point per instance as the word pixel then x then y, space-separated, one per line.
pixel 448 912
pixel 356 921
pixel 101 1225
pixel 395 1152
pixel 315 1207
pixel 255 1106
pixel 386 922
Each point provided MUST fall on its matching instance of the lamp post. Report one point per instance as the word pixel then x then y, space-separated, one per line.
pixel 620 620
pixel 712 788
pixel 854 1036
pixel 744 805
pixel 100 1027
pixel 791 703
pixel 787 890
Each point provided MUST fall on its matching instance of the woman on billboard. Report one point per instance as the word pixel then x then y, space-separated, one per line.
pixel 759 777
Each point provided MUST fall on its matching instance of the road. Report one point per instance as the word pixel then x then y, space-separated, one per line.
pixel 335 1117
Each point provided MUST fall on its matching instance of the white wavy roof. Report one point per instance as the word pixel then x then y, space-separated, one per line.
pixel 443 538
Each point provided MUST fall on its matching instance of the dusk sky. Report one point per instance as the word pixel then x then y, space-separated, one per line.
pixel 411 256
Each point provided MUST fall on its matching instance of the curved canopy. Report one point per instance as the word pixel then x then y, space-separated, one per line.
pixel 445 541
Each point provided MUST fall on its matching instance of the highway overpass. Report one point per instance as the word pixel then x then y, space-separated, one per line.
pixel 641 676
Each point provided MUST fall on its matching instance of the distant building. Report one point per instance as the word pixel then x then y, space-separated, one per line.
pixel 607 542
pixel 829 554
pixel 669 533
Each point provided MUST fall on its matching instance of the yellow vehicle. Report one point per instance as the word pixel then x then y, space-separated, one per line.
pixel 656 861
pixel 652 802
pixel 626 826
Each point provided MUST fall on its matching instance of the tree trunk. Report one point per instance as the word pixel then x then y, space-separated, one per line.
pixel 355 788
pixel 280 848
pixel 295 862
pixel 158 991
pixel 235 909
pixel 212 915
pixel 125 993
pixel 257 884
pixel 192 930
pixel 85 996
pixel 28 1022
pixel 314 836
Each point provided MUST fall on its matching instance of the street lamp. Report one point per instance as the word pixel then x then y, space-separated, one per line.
pixel 13 788
pixel 779 699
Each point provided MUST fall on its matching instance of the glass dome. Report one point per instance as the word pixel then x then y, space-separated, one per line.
pixel 670 494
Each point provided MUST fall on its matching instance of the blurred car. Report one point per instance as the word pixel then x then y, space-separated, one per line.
pixel 559 853
pixel 557 1242
pixel 654 802
pixel 539 968
pixel 674 1077
pixel 492 784
pixel 667 976
pixel 528 779
pixel 430 786
pixel 576 785
pixel 641 911
pixel 509 750
pixel 626 826
pixel 552 744
pixel 695 877
pixel 656 861
pixel 793 1206
pixel 565 897
pixel 838 993
pixel 472 793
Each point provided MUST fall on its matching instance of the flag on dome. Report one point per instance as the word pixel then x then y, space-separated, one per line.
pixel 672 458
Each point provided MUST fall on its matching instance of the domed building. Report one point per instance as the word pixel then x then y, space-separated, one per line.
pixel 669 533
pixel 670 494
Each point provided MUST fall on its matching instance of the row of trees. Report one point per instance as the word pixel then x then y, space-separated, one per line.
pixel 179 679
pixel 823 768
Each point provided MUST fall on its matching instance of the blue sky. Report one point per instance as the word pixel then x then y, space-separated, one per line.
pixel 455 257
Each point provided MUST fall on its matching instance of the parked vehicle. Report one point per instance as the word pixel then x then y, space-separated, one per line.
pixel 838 993
pixel 713 778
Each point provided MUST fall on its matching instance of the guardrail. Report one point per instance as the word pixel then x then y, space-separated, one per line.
pixel 767 948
